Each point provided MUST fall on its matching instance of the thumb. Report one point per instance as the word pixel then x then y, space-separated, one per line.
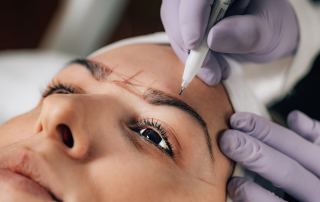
pixel 239 35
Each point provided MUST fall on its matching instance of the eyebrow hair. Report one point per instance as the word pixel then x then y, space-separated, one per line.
pixel 99 71
pixel 153 96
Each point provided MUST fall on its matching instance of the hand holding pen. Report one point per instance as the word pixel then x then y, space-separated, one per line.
pixel 252 31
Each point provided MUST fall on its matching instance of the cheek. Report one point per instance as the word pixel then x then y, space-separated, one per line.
pixel 18 128
pixel 134 178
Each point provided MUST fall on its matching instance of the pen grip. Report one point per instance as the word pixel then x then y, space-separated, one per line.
pixel 218 10
pixel 195 59
pixel 197 56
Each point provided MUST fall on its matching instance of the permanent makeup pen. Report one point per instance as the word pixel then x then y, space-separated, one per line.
pixel 197 56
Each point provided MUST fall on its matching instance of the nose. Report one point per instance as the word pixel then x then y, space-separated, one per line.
pixel 61 119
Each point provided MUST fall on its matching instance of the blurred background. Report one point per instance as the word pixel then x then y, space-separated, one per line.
pixel 58 23
pixel 38 37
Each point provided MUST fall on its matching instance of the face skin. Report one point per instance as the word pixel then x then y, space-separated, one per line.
pixel 103 138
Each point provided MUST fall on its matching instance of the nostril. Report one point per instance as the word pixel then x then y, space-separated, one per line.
pixel 66 135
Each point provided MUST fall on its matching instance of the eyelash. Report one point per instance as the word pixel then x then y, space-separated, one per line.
pixel 58 88
pixel 153 124
pixel 156 126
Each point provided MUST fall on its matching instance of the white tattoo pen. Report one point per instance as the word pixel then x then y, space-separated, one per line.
pixel 197 56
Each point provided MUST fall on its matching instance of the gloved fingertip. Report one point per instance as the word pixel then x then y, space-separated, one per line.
pixel 190 42
pixel 208 76
pixel 304 125
pixel 225 68
pixel 234 186
pixel 295 117
pixel 226 72
pixel 193 18
pixel 229 142
pixel 211 72
pixel 242 121
pixel 192 34
pixel 216 36
pixel 223 38
pixel 180 52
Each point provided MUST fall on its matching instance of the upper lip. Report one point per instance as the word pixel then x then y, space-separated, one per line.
pixel 27 163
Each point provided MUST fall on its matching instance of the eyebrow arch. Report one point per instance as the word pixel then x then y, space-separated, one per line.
pixel 100 72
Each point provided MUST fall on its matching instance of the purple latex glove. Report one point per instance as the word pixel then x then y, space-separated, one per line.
pixel 288 158
pixel 256 31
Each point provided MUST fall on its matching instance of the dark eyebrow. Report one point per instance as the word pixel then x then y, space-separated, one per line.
pixel 99 71
pixel 156 97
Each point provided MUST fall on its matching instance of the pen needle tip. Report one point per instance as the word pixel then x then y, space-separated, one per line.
pixel 181 91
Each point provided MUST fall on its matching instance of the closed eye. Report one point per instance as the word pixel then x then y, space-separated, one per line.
pixel 58 88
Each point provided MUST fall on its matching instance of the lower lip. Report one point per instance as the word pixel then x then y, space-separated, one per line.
pixel 21 183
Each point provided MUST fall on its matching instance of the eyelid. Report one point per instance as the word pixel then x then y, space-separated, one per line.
pixel 56 85
pixel 170 136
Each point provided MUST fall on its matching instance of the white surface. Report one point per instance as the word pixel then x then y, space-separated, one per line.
pixel 309 44
pixel 268 84
pixel 23 74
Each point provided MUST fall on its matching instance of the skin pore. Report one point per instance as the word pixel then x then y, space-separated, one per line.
pixel 114 129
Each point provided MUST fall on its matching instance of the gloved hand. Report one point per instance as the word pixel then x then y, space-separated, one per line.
pixel 256 31
pixel 288 158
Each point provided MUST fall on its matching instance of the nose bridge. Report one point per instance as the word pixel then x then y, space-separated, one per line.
pixel 75 120
pixel 60 109
pixel 76 109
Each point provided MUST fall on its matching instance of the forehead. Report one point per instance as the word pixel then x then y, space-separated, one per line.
pixel 151 65
pixel 158 67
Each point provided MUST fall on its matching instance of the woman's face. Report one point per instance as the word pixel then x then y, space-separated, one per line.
pixel 113 128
